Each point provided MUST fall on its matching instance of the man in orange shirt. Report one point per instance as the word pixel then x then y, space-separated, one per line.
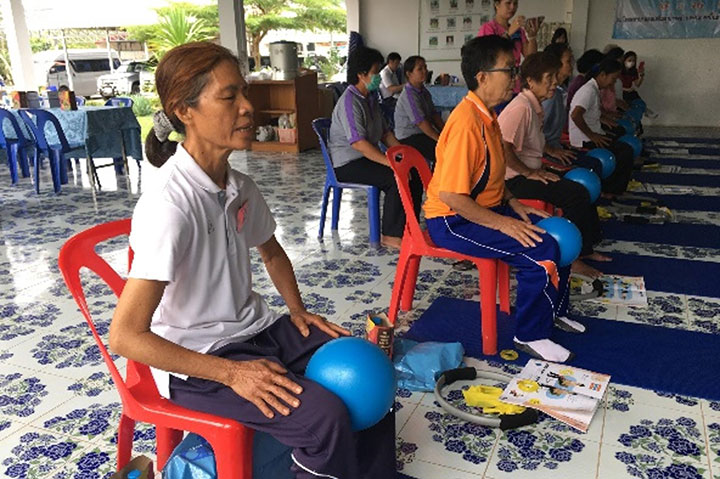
pixel 469 210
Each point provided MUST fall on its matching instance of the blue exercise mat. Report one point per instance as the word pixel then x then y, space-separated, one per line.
pixel 650 357
pixel 671 275
pixel 687 202
pixel 685 162
pixel 680 234
pixel 681 139
pixel 677 179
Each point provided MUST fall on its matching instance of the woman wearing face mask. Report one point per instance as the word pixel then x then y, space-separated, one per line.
pixel 356 129
pixel 523 34
pixel 521 124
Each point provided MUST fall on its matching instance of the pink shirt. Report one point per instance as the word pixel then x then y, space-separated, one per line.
pixel 521 124
pixel 519 40
pixel 608 100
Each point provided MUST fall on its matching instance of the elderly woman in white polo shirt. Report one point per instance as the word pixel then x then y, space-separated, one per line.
pixel 188 309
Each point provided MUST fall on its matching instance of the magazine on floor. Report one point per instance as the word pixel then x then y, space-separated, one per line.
pixel 623 291
pixel 568 394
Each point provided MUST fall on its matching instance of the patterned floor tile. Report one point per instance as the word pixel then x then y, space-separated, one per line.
pixel 663 309
pixel 27 395
pixel 545 455
pixel 37 453
pixel 617 462
pixel 445 440
pixel 649 441
pixel 621 398
pixel 712 430
pixel 660 250
pixel 704 314
pixel 420 469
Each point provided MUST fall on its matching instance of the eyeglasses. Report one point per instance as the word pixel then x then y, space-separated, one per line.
pixel 513 70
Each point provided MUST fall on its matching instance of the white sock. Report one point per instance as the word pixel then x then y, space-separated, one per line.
pixel 549 350
pixel 572 323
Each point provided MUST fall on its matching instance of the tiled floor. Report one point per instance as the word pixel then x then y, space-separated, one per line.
pixel 58 409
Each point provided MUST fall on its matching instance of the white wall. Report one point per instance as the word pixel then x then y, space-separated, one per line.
pixel 681 81
pixel 390 25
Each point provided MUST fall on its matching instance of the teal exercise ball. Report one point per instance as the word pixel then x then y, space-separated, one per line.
pixel 607 160
pixel 588 179
pixel 359 373
pixel 634 142
pixel 566 234
pixel 626 125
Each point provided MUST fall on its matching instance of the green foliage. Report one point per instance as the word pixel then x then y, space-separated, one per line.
pixel 178 23
pixel 177 27
pixel 142 106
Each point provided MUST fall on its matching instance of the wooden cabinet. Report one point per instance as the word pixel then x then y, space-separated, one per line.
pixel 272 98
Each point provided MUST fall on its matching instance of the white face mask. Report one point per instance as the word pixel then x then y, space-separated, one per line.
pixel 629 65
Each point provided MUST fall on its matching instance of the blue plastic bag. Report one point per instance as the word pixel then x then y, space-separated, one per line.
pixel 193 458
pixel 418 364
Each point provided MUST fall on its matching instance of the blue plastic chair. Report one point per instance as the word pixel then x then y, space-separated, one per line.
pixel 120 101
pixel 16 148
pixel 58 154
pixel 322 129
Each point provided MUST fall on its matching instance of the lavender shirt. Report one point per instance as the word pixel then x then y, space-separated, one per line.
pixel 354 118
pixel 413 106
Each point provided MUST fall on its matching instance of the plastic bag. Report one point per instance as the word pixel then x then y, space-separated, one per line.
pixel 193 458
pixel 418 364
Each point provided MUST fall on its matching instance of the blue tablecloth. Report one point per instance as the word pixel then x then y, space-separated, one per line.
pixel 98 128
pixel 447 97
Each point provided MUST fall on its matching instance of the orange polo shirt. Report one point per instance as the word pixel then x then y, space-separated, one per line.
pixel 469 158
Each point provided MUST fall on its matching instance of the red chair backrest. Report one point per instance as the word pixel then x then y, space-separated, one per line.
pixel 79 252
pixel 403 160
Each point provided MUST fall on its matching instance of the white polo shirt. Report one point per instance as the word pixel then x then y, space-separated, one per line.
pixel 587 97
pixel 197 237
pixel 388 78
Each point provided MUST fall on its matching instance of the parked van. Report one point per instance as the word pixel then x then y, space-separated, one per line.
pixel 86 66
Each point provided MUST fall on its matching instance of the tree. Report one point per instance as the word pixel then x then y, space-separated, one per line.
pixel 177 24
pixel 263 16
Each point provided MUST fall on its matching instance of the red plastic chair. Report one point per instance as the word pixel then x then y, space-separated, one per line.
pixel 538 205
pixel 416 243
pixel 230 440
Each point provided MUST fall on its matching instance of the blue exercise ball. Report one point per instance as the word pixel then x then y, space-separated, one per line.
pixel 360 374
pixel 634 142
pixel 639 104
pixel 626 125
pixel 566 234
pixel 607 160
pixel 586 178
pixel 636 113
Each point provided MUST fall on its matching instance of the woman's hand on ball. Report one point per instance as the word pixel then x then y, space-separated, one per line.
pixel 525 233
pixel 265 384
pixel 304 319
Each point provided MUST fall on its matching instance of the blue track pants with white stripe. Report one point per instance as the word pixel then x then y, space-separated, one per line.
pixel 542 291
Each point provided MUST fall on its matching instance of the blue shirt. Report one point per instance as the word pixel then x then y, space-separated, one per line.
pixel 555 117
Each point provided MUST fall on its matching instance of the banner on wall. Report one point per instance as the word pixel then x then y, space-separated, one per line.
pixel 642 19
